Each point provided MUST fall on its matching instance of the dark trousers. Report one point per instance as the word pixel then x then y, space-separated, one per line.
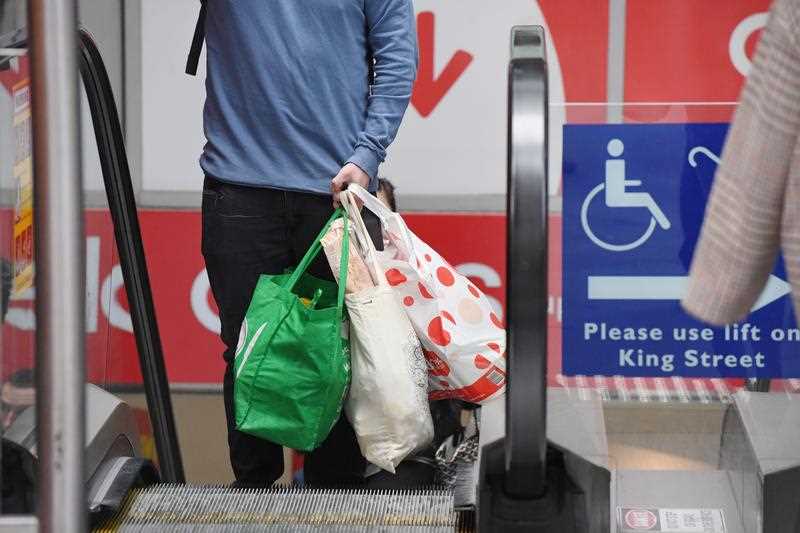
pixel 247 232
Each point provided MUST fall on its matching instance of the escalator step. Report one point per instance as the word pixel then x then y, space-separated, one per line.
pixel 166 507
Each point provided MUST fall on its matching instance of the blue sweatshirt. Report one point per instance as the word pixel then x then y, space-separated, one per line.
pixel 288 101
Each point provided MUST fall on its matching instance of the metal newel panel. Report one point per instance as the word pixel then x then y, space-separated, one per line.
pixel 526 316
pixel 59 249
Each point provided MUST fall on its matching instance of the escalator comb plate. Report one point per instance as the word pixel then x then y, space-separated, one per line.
pixel 165 508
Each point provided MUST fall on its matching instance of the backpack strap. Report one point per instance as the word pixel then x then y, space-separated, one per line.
pixel 197 41
pixel 370 59
pixel 200 34
pixel 370 69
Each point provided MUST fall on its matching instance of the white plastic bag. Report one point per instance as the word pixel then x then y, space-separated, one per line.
pixel 388 399
pixel 462 338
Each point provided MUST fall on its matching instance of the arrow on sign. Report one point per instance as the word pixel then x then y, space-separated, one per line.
pixel 429 90
pixel 666 288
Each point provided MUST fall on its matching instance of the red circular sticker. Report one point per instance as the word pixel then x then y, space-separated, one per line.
pixel 446 277
pixel 395 277
pixel 437 334
pixel 496 320
pixel 642 519
pixel 424 292
pixel 481 362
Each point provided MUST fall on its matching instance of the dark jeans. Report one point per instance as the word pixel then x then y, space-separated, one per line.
pixel 251 231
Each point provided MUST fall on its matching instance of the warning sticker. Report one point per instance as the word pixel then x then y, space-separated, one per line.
pixel 632 520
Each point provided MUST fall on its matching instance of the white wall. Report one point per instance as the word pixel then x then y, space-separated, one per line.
pixel 459 149
pixel 103 19
pixel 171 101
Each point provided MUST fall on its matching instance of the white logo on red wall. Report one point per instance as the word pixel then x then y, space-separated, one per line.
pixel 708 51
pixel 743 41
pixel 187 315
pixel 202 303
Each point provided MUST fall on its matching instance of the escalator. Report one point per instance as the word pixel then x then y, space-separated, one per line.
pixel 143 505
pixel 547 463
pixel 127 492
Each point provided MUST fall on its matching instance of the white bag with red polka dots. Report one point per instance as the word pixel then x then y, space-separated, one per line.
pixel 461 336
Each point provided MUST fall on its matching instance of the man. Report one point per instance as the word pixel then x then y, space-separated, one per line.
pixel 290 120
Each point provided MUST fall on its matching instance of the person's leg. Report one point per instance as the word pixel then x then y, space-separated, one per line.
pixel 338 461
pixel 244 236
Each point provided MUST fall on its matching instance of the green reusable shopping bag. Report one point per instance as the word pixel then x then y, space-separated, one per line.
pixel 292 365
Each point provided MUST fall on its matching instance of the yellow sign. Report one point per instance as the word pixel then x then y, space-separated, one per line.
pixel 22 249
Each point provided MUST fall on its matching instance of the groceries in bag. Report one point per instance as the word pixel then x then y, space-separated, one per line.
pixel 292 365
pixel 388 400
pixel 358 276
pixel 462 336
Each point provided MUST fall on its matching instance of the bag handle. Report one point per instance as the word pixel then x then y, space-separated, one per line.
pixel 362 235
pixel 313 252
pixel 371 202
pixel 343 263
pixel 385 214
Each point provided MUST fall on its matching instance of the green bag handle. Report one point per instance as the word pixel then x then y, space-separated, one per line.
pixel 313 252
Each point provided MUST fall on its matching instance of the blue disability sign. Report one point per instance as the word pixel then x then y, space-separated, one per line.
pixel 634 198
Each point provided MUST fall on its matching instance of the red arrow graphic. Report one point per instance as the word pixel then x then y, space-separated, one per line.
pixel 429 90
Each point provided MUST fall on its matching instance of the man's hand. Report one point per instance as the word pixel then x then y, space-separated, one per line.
pixel 350 173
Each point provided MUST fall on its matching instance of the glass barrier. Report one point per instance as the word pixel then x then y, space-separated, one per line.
pixel 689 439
pixel 111 354
pixel 16 270
pixel 629 200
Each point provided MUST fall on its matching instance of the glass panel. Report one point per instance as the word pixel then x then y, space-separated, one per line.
pixel 100 253
pixel 681 428
pixel 112 362
pixel 17 392
pixel 629 261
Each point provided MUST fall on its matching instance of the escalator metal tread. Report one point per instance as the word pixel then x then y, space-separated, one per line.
pixel 169 507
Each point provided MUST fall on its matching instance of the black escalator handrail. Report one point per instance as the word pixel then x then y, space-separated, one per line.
pixel 526 292
pixel 122 205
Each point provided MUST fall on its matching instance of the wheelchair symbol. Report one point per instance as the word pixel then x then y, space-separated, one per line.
pixel 617 195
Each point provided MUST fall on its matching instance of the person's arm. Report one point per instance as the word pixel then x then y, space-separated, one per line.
pixel 746 211
pixel 392 37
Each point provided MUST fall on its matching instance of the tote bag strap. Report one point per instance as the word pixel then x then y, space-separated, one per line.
pixel 313 252
pixel 363 238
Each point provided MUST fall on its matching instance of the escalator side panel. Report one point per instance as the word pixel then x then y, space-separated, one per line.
pixel 760 454
pixel 526 317
pixel 119 189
